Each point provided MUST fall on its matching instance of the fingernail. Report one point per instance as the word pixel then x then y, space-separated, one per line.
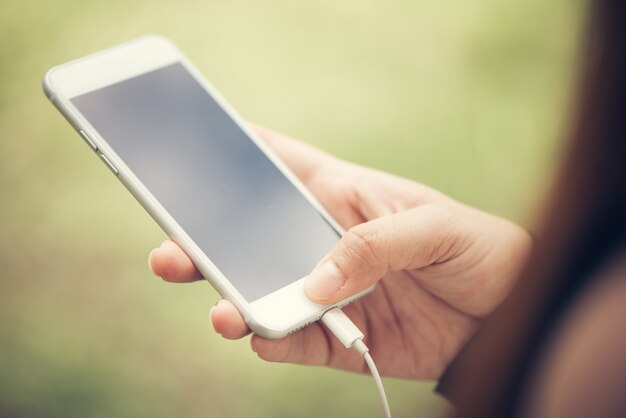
pixel 150 260
pixel 216 306
pixel 324 281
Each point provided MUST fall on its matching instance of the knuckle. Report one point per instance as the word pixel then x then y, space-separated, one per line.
pixel 444 236
pixel 366 243
pixel 439 215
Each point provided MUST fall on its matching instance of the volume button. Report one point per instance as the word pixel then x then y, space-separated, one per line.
pixel 109 164
pixel 88 140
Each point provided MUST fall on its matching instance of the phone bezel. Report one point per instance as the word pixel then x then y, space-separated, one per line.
pixel 273 316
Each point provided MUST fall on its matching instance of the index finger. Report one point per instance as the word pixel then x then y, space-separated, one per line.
pixel 303 159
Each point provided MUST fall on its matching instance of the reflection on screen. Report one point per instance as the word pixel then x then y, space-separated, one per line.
pixel 214 181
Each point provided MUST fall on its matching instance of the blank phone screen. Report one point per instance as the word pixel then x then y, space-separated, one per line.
pixel 235 204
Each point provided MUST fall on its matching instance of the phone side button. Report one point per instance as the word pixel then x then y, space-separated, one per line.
pixel 88 140
pixel 109 164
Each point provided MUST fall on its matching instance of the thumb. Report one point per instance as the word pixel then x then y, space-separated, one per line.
pixel 407 240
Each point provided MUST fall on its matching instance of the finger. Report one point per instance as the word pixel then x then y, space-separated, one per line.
pixel 406 240
pixel 171 263
pixel 227 321
pixel 310 345
pixel 307 346
pixel 303 159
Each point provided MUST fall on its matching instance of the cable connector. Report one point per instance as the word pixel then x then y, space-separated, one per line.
pixel 342 327
pixel 351 337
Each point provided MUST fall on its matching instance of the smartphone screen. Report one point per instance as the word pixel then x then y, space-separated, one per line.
pixel 236 205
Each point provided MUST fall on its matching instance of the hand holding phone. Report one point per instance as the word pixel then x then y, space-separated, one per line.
pixel 244 221
pixel 415 320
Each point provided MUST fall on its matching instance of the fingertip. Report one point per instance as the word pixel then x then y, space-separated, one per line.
pixel 171 263
pixel 151 260
pixel 160 261
pixel 227 321
pixel 256 343
pixel 270 350
pixel 324 283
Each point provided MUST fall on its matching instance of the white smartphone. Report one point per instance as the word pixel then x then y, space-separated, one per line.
pixel 250 226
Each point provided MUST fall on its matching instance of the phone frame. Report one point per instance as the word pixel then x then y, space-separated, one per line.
pixel 273 316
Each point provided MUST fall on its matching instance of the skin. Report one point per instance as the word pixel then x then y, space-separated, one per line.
pixel 440 267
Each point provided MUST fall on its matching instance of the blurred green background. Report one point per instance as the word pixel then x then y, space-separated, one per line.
pixel 468 96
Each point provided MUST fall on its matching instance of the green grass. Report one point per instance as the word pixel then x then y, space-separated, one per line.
pixel 469 97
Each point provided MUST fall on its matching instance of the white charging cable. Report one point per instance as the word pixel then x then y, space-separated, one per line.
pixel 351 337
